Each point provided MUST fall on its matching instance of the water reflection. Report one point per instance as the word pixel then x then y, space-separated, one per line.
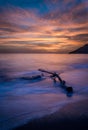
pixel 21 99
pixel 5 70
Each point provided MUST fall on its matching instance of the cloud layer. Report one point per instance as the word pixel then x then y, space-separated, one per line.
pixel 43 25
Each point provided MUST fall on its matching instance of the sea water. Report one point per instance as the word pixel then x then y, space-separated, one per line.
pixel 22 100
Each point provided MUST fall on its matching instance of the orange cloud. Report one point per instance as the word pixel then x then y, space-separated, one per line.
pixel 60 31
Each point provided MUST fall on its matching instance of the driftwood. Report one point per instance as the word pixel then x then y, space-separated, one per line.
pixel 62 82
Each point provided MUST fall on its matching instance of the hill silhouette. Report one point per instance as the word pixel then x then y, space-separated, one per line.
pixel 81 50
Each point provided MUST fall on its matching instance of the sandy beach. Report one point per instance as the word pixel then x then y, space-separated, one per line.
pixel 73 116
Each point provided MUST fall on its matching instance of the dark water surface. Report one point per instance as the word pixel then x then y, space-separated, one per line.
pixel 22 100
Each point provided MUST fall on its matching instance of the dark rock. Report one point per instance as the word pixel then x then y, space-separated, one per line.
pixel 81 50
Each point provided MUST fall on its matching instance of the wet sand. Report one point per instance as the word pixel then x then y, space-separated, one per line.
pixel 73 116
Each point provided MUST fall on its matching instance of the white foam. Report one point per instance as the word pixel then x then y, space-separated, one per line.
pixel 22 100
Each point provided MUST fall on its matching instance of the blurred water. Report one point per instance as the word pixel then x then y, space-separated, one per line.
pixel 22 100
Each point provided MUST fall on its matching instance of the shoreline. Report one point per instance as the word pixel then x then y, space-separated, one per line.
pixel 74 116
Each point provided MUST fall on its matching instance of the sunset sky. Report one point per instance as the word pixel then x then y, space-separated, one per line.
pixel 53 26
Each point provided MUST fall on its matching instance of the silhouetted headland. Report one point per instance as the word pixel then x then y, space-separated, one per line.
pixel 81 50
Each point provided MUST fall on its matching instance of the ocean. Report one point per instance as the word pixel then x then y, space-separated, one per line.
pixel 22 100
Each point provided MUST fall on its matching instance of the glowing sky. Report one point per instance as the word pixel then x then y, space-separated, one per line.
pixel 57 26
